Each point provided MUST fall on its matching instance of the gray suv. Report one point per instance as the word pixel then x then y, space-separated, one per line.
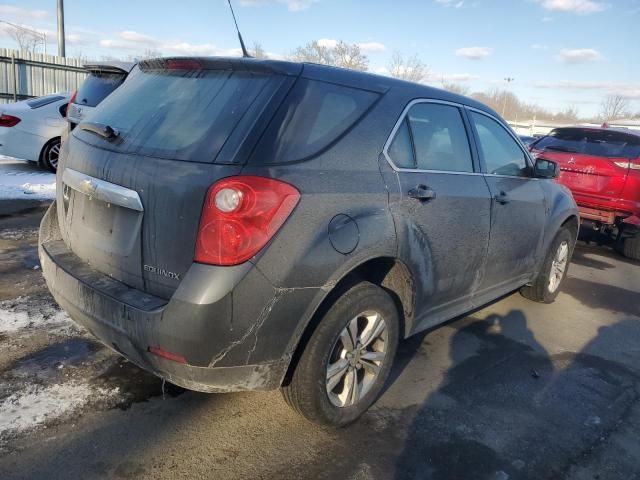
pixel 241 224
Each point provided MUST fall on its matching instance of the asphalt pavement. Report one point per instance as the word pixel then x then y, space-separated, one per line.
pixel 517 390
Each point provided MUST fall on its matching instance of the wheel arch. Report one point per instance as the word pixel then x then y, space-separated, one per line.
pixel 387 272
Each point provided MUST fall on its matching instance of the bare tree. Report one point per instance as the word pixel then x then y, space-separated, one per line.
pixel 410 68
pixel 313 52
pixel 27 40
pixel 349 55
pixel 614 107
pixel 258 51
pixel 455 87
pixel 345 55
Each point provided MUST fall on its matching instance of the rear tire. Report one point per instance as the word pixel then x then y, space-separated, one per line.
pixel 631 247
pixel 546 286
pixel 50 154
pixel 335 381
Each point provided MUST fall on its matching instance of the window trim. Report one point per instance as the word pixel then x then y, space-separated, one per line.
pixel 483 165
pixel 475 163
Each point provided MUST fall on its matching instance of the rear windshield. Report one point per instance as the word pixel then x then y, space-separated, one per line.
pixel 97 86
pixel 314 115
pixel 182 114
pixel 42 101
pixel 600 143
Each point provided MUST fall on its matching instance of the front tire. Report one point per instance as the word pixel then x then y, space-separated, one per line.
pixel 631 247
pixel 348 358
pixel 50 154
pixel 546 286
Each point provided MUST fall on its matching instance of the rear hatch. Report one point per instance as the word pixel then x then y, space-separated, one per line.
pixel 101 81
pixel 594 162
pixel 129 204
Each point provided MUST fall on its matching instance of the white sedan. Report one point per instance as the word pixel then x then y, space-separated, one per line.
pixel 31 129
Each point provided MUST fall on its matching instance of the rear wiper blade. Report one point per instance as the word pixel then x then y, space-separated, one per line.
pixel 105 131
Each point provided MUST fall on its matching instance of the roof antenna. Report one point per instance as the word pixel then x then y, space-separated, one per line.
pixel 245 54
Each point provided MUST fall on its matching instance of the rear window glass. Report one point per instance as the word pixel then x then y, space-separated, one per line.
pixel 97 86
pixel 42 101
pixel 181 114
pixel 314 115
pixel 600 143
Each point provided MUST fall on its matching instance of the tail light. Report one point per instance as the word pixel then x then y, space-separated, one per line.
pixel 71 100
pixel 240 215
pixel 8 120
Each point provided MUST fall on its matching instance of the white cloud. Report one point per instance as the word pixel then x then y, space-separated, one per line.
pixel 18 14
pixel 292 5
pixel 329 43
pixel 451 3
pixel 372 47
pixel 137 42
pixel 628 90
pixel 581 7
pixel 474 53
pixel 579 55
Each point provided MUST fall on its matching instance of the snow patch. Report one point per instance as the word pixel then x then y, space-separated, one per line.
pixel 18 233
pixel 36 405
pixel 25 313
pixel 22 179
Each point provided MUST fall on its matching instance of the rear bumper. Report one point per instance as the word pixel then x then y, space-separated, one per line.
pixel 196 324
pixel 607 211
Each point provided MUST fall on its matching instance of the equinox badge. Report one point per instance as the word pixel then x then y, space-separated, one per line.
pixel 161 271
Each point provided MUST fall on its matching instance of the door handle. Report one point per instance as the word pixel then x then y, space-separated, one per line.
pixel 422 192
pixel 502 198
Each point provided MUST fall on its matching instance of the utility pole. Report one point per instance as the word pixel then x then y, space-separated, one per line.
pixel 504 104
pixel 61 49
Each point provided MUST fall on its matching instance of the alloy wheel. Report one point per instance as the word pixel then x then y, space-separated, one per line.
pixel 558 266
pixel 356 359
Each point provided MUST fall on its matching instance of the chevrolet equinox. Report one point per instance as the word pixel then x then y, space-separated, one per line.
pixel 242 224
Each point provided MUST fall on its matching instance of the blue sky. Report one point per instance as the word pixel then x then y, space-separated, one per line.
pixel 561 53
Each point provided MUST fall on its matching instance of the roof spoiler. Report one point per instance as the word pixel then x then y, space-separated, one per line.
pixel 109 67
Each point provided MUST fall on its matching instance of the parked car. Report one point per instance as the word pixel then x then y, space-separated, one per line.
pixel 31 129
pixel 102 79
pixel 601 166
pixel 242 224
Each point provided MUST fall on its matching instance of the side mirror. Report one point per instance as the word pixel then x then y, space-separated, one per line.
pixel 546 169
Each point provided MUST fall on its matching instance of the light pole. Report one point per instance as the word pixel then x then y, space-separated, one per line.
pixel 61 49
pixel 35 33
pixel 504 104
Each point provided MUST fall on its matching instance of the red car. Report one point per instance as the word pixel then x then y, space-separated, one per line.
pixel 601 167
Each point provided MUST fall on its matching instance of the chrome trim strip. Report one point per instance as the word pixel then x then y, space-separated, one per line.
pixel 105 191
pixel 396 127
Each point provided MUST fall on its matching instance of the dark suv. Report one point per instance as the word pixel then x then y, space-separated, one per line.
pixel 241 224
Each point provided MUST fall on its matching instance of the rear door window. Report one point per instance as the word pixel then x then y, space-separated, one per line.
pixel 97 86
pixel 599 143
pixel 181 114
pixel 501 153
pixel 432 136
pixel 313 116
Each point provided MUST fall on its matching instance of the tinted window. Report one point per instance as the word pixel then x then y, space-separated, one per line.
pixel 181 114
pixel 502 154
pixel 439 138
pixel 401 150
pixel 42 101
pixel 601 143
pixel 313 116
pixel 97 86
